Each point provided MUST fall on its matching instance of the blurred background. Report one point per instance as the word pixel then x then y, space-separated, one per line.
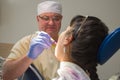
pixel 18 18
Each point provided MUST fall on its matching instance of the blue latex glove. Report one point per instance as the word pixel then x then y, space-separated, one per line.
pixel 39 43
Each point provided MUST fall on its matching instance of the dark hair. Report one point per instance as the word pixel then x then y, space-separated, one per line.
pixel 85 46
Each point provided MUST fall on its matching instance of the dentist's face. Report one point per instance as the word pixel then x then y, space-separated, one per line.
pixel 50 23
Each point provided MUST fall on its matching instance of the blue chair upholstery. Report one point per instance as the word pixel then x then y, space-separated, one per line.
pixel 31 74
pixel 109 46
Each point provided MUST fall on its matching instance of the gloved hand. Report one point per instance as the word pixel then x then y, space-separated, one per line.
pixel 38 44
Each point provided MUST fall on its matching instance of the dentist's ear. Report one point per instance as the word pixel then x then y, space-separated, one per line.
pixel 68 40
pixel 37 18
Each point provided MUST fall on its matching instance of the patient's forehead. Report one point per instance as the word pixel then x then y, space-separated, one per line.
pixel 69 28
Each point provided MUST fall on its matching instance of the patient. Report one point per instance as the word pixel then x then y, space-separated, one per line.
pixel 77 48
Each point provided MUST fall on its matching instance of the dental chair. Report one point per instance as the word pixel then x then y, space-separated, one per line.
pixel 31 74
pixel 109 46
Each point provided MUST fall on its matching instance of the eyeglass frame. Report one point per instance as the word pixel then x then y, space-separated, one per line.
pixel 54 18
pixel 79 29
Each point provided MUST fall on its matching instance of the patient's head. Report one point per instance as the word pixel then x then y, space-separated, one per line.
pixel 79 43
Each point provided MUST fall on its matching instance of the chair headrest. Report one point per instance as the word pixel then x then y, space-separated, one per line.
pixel 109 46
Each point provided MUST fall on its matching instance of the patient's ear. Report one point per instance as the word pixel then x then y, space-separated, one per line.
pixel 68 40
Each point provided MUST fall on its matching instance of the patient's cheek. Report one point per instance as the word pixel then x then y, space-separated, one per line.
pixel 56 48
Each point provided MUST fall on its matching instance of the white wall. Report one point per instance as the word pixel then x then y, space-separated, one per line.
pixel 18 18
pixel 0 11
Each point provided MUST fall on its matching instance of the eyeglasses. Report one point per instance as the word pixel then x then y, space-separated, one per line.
pixel 79 29
pixel 47 18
